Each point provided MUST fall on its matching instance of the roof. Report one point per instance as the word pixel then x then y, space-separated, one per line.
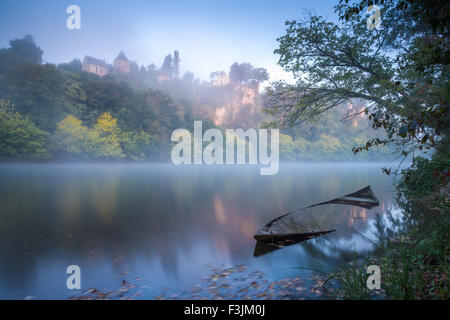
pixel 122 56
pixel 97 62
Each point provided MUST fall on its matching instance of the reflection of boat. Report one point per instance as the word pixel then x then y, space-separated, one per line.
pixel 279 231
pixel 265 246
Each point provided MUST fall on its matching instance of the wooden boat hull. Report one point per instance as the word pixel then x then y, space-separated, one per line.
pixel 268 239
pixel 294 237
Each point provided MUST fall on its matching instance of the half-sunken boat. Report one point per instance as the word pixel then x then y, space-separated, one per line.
pixel 297 225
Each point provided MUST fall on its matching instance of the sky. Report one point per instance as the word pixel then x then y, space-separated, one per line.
pixel 209 34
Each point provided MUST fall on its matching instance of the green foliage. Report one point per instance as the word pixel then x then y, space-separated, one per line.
pixel 400 71
pixel 106 138
pixel 423 194
pixel 167 67
pixel 246 73
pixel 352 281
pixel 137 146
pixel 73 139
pixel 71 106
pixel 104 141
pixel 176 64
pixel 425 176
pixel 21 51
pixel 287 148
pixel 49 95
pixel 19 136
pixel 73 66
pixel 413 250
pixel 415 261
pixel 26 50
pixel 38 92
pixel 331 138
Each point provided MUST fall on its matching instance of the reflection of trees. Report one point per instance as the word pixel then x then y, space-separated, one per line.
pixel 158 212
pixel 318 251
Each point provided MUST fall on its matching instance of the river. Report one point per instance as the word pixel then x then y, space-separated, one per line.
pixel 164 227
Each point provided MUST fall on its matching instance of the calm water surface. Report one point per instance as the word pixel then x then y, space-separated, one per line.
pixel 167 226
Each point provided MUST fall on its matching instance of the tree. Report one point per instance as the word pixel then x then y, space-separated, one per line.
pixel 167 67
pixel 72 139
pixel 73 66
pixel 287 148
pixel 26 50
pixel 136 146
pixel 21 51
pixel 106 138
pixel 19 136
pixel 246 73
pixel 38 92
pixel 405 88
pixel 71 107
pixel 104 141
pixel 176 64
pixel 241 73
pixel 188 77
pixel 259 75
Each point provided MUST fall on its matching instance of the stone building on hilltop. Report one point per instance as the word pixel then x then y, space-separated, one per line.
pixel 101 68
pixel 94 65
pixel 121 63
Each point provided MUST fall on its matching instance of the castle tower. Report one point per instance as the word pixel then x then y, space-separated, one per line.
pixel 121 63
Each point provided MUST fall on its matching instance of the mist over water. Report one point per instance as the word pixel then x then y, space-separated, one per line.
pixel 166 225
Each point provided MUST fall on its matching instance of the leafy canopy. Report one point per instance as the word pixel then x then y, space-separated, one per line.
pixel 400 71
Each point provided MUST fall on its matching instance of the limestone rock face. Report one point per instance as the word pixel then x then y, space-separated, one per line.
pixel 355 113
pixel 241 109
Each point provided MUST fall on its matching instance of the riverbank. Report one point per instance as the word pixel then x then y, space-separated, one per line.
pixel 414 259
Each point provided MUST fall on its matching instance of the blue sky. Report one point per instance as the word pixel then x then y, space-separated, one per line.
pixel 210 35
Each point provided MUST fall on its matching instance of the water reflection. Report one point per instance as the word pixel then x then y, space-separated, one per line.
pixel 166 224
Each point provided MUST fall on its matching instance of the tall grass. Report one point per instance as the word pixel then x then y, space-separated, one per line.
pixel 414 260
